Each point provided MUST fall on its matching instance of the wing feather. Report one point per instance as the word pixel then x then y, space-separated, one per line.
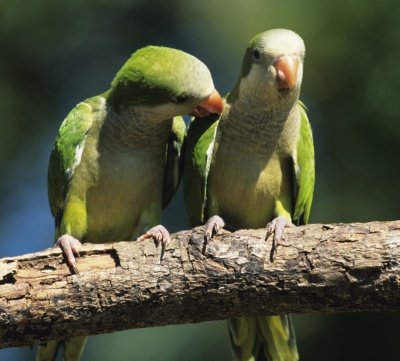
pixel 304 170
pixel 200 141
pixel 67 153
pixel 174 159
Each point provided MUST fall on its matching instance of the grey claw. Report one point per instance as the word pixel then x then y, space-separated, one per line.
pixel 159 233
pixel 276 227
pixel 75 268
pixel 213 225
pixel 69 245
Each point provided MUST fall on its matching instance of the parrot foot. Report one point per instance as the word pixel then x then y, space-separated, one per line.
pixel 276 227
pixel 70 246
pixel 159 234
pixel 213 225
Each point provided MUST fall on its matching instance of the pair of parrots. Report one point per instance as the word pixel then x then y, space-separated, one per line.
pixel 249 163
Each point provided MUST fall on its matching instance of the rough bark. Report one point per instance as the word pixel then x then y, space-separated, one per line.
pixel 318 268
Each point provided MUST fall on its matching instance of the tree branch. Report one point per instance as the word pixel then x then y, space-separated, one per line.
pixel 318 268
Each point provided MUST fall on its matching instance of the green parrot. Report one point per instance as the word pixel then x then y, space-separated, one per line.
pixel 116 162
pixel 253 167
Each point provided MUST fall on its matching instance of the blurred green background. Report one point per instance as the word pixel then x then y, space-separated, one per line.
pixel 54 54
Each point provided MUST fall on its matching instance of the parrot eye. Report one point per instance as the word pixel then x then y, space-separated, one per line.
pixel 181 99
pixel 256 54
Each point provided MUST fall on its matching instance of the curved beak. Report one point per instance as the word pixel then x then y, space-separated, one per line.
pixel 212 104
pixel 286 70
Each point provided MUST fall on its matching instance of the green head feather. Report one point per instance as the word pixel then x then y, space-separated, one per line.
pixel 157 75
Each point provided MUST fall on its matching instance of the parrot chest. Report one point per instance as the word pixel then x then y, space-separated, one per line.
pixel 126 185
pixel 243 188
pixel 251 174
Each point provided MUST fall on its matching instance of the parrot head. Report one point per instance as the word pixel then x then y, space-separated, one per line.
pixel 273 65
pixel 165 80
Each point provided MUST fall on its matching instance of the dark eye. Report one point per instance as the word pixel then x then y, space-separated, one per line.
pixel 181 99
pixel 256 54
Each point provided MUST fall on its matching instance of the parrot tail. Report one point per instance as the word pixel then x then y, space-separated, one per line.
pixel 73 349
pixel 266 338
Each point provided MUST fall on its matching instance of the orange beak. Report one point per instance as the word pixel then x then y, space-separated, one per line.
pixel 286 69
pixel 213 104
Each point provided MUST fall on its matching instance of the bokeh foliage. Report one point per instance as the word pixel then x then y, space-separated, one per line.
pixel 54 54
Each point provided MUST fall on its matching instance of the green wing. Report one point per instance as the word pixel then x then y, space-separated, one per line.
pixel 304 170
pixel 67 152
pixel 200 142
pixel 174 159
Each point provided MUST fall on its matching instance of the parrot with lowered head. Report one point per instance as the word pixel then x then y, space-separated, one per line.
pixel 116 162
pixel 253 167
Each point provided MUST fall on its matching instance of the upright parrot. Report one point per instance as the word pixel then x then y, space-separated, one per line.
pixel 116 160
pixel 253 167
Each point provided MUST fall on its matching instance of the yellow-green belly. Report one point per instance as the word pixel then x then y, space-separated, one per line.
pixel 126 200
pixel 245 190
